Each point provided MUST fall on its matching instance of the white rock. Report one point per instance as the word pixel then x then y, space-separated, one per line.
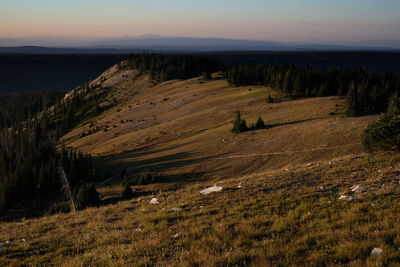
pixel 376 252
pixel 176 209
pixel 154 201
pixel 357 188
pixel 211 190
pixel 23 240
pixel 177 235
pixel 137 230
pixel 346 198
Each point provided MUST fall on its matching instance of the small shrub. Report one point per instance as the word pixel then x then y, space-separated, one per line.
pixel 87 196
pixel 260 123
pixel 270 99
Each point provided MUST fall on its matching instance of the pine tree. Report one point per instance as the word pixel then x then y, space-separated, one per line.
pixel 260 123
pixel 127 193
pixel 239 125
pixel 384 134
pixel 352 104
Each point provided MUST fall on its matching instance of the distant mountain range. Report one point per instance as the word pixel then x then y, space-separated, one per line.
pixel 127 44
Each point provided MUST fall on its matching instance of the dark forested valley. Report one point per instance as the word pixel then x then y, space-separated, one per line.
pixel 26 72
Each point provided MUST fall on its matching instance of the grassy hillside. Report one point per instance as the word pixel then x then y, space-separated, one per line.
pixel 288 195
pixel 183 127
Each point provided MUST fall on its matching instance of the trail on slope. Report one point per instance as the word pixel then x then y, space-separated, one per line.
pixel 287 152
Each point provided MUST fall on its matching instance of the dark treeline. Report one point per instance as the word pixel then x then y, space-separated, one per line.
pixel 164 67
pixel 30 164
pixel 384 61
pixel 367 91
pixel 16 108
pixel 30 169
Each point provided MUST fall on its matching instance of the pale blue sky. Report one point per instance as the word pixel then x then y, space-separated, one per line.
pixel 287 20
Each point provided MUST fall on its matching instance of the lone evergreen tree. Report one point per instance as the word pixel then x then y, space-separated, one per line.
pixel 128 193
pixel 239 125
pixel 260 123
pixel 384 134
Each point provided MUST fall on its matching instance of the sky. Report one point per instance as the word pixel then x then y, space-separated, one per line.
pixel 284 20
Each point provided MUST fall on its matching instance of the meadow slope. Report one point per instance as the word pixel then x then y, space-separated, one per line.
pixel 181 128
pixel 288 195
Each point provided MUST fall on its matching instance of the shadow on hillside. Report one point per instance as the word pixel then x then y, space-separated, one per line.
pixel 178 179
pixel 156 165
pixel 289 123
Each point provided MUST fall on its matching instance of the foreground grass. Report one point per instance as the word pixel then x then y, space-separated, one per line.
pixel 288 217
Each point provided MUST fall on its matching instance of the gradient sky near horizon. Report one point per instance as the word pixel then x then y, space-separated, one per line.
pixel 285 20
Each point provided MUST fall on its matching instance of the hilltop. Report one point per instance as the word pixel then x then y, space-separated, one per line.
pixel 300 192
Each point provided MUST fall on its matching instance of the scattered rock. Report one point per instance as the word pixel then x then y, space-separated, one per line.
pixel 348 198
pixel 177 235
pixel 357 188
pixel 376 252
pixel 211 190
pixel 137 230
pixel 154 201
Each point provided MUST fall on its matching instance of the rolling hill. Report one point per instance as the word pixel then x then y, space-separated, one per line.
pixel 300 192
